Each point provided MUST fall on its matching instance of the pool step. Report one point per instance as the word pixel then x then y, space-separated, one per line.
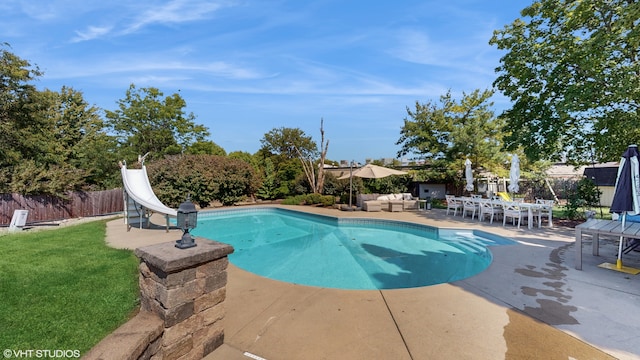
pixel 471 244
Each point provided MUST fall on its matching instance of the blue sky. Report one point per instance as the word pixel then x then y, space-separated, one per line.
pixel 246 67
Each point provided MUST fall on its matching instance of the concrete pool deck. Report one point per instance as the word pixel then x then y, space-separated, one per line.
pixel 531 303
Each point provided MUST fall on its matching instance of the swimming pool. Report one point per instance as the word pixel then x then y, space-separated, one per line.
pixel 346 253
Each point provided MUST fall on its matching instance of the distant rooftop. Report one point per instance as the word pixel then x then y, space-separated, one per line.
pixel 564 171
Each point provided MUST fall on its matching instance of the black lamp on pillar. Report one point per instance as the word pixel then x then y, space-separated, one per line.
pixel 187 220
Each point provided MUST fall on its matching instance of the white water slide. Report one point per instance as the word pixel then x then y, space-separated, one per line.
pixel 140 200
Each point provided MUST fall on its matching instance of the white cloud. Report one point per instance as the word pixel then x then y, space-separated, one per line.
pixel 175 11
pixel 418 47
pixel 130 65
pixel 57 10
pixel 91 33
pixel 167 13
pixel 154 80
pixel 41 11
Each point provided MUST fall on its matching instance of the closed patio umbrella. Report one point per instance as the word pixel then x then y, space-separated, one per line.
pixel 468 173
pixel 626 198
pixel 514 174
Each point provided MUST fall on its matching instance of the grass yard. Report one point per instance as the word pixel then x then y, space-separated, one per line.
pixel 64 288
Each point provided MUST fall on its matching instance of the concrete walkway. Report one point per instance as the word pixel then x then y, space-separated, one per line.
pixel 529 304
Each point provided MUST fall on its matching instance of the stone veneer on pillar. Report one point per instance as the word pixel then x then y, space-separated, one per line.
pixel 186 288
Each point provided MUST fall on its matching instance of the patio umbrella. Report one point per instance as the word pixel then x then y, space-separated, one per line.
pixel 626 198
pixel 370 171
pixel 514 174
pixel 468 173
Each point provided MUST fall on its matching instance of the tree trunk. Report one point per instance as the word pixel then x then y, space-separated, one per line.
pixel 323 154
pixel 317 185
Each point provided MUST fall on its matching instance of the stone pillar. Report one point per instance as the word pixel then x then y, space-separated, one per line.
pixel 186 288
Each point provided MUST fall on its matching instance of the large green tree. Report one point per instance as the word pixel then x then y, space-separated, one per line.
pixel 206 147
pixel 286 149
pixel 572 71
pixel 69 149
pixel 448 132
pixel 288 143
pixel 145 122
pixel 50 142
pixel 16 90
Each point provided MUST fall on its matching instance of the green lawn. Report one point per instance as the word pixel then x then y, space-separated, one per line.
pixel 560 212
pixel 64 288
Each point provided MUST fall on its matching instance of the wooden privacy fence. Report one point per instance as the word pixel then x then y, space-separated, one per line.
pixel 44 208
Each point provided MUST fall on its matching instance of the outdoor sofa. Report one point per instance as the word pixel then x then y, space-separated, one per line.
pixel 378 202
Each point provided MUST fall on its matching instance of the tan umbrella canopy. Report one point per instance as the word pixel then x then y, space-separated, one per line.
pixel 371 171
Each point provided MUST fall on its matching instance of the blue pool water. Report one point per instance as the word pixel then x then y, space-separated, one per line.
pixel 368 254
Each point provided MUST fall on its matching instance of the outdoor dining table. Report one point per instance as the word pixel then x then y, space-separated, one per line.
pixel 531 208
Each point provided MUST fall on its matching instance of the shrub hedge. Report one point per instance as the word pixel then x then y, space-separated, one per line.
pixel 310 199
pixel 204 177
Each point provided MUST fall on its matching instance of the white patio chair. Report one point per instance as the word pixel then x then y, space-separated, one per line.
pixel 470 205
pixel 512 209
pixel 491 209
pixel 453 204
pixel 544 211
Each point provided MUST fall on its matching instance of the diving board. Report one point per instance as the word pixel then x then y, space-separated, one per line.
pixel 139 199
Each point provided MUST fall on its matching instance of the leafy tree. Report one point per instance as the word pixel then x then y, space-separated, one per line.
pixel 16 90
pixel 147 123
pixel 293 143
pixel 446 134
pixel 50 142
pixel 571 69
pixel 585 196
pixel 288 143
pixel 333 186
pixel 386 185
pixel 206 147
pixel 253 160
pixel 263 170
pixel 70 148
pixel 287 147
pixel 267 190
pixel 287 178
